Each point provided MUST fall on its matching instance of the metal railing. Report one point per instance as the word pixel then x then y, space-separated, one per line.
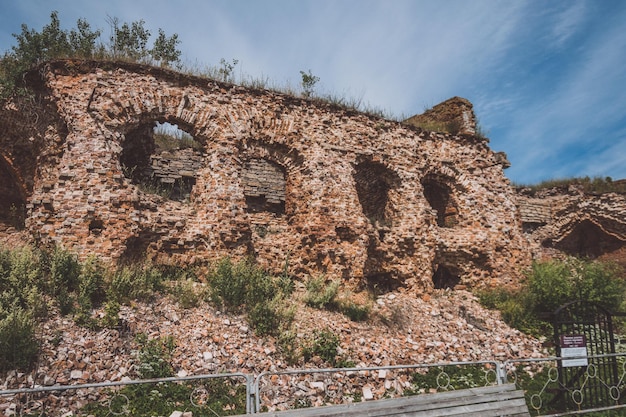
pixel 202 394
pixel 299 388
pixel 547 393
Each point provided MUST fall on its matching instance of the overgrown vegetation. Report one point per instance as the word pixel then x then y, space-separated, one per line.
pixel 35 282
pixel 321 294
pixel 551 284
pixel 244 287
pixel 153 360
pixel 127 41
pixel 324 343
pixel 595 185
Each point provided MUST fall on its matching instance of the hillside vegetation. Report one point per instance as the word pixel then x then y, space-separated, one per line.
pixel 595 186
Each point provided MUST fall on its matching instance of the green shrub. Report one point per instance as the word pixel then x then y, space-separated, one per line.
pixel 243 286
pixel 320 294
pixel 21 281
pixel 354 311
pixel 21 300
pixel 271 318
pixel 135 282
pixel 111 317
pixel 227 283
pixel 185 293
pixel 64 272
pixel 18 344
pixel 289 347
pixel 154 356
pixel 91 283
pixel 551 284
pixel 324 343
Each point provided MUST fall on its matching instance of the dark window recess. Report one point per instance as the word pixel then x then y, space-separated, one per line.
pixel 373 182
pixel 443 278
pixel 438 196
pixel 257 204
pixel 589 240
pixel 96 226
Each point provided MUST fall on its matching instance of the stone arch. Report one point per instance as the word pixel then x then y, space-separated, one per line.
pixel 13 201
pixel 588 239
pixel 374 181
pixel 163 162
pixel 440 197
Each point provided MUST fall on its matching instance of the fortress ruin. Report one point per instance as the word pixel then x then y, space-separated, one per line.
pixel 324 189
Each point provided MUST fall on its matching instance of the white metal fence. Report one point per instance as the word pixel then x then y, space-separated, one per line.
pixel 237 393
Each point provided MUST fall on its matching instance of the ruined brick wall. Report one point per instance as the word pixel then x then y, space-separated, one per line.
pixel 336 192
pixel 455 116
pixel 575 223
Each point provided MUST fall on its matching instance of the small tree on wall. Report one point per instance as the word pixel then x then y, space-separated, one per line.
pixel 129 40
pixel 308 83
pixel 164 50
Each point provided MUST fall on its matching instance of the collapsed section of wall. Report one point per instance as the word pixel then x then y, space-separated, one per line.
pixel 336 192
pixel 577 224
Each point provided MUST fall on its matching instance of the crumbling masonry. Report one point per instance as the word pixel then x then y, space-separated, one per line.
pixel 331 191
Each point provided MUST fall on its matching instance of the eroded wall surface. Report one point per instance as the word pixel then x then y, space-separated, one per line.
pixel 574 223
pixel 332 191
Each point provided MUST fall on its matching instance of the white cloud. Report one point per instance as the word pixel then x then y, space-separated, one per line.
pixel 545 78
pixel 568 21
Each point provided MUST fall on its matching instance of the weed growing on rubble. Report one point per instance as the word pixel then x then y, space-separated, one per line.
pixel 21 304
pixel 320 294
pixel 153 360
pixel 135 282
pixel 450 377
pixel 324 343
pixel 243 286
pixel 325 295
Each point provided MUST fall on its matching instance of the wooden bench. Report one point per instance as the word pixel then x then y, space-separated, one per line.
pixel 491 401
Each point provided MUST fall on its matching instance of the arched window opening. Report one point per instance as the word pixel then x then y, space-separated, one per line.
pixel 443 278
pixel 12 204
pixel 264 184
pixel 373 182
pixel 589 240
pixel 162 159
pixel 439 197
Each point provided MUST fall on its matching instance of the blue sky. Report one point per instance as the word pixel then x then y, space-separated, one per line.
pixel 547 78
